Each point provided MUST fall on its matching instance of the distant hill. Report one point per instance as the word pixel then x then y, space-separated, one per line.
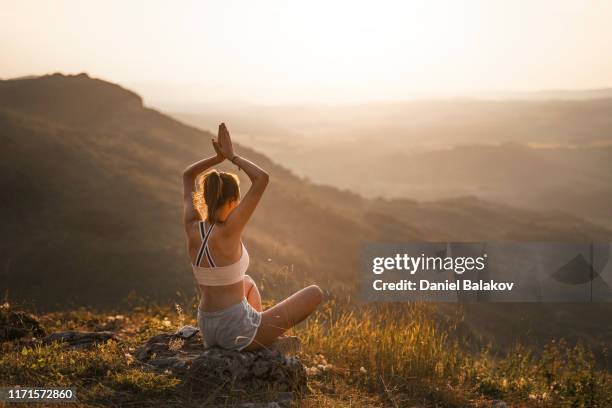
pixel 576 180
pixel 91 204
pixel 418 124
pixel 544 155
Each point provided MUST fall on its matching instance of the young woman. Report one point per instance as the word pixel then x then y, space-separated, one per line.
pixel 230 314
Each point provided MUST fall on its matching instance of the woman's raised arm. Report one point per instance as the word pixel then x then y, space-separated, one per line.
pixel 239 217
pixel 190 214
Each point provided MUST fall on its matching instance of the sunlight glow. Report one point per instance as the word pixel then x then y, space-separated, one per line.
pixel 277 51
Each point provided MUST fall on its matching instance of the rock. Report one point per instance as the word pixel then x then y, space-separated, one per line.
pixel 111 323
pixel 187 332
pixel 15 324
pixel 80 338
pixel 208 369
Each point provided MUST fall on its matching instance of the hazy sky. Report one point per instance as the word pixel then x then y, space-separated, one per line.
pixel 296 51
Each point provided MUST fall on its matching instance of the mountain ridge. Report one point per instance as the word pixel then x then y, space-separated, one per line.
pixel 67 98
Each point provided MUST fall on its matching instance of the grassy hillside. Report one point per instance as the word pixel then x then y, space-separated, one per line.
pixel 381 355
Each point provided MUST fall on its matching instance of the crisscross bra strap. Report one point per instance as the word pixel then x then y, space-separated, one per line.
pixel 205 235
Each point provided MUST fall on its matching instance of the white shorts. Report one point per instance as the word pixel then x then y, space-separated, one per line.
pixel 232 328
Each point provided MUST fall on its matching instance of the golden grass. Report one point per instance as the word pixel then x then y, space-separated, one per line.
pixel 370 355
pixel 403 352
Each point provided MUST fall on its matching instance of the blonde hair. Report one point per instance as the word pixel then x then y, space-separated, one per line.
pixel 215 189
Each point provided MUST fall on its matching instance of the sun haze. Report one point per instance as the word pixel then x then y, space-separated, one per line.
pixel 315 51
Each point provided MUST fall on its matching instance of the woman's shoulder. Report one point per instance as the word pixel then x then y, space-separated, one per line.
pixel 220 236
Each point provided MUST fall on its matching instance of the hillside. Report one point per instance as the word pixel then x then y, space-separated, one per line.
pixel 91 203
pixel 93 208
pixel 374 356
pixel 575 180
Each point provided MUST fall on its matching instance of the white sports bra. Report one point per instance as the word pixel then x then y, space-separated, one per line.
pixel 217 275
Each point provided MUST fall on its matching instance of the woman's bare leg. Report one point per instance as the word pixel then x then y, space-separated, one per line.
pixel 251 293
pixel 286 314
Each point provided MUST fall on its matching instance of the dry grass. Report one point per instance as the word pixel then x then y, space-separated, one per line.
pixel 403 353
pixel 368 355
